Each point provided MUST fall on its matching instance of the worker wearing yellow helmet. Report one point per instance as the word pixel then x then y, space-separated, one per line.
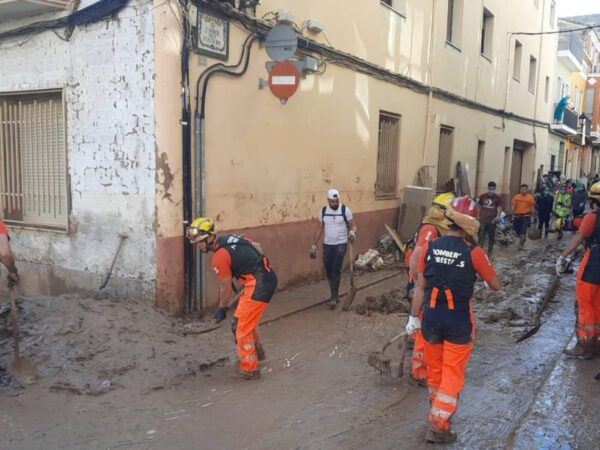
pixel 587 290
pixel 239 257
pixel 433 225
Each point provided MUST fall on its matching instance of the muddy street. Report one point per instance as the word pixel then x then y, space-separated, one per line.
pixel 117 375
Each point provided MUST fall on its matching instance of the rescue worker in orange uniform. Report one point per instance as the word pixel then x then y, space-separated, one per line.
pixel 587 290
pixel 447 270
pixel 239 257
pixel 434 224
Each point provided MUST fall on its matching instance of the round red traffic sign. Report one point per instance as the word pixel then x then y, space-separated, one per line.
pixel 284 80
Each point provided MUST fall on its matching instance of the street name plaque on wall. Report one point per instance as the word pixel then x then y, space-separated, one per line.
pixel 212 35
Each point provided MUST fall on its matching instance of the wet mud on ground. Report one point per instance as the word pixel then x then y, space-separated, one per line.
pixel 171 390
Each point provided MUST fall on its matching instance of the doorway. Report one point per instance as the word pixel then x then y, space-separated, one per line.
pixel 444 164
pixel 516 169
pixel 480 167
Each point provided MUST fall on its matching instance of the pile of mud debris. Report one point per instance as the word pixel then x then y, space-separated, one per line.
pixel 391 302
pixel 87 347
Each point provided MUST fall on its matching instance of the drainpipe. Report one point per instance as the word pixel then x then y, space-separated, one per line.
pixel 430 56
pixel 199 204
pixel 186 161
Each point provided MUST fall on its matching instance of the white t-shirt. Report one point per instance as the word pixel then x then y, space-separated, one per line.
pixel 336 230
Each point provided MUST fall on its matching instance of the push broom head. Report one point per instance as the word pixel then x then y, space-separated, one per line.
pixel 380 362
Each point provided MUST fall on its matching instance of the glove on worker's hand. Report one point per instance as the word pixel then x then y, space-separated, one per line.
pixel 414 324
pixel 352 235
pixel 313 251
pixel 562 263
pixel 12 279
pixel 221 314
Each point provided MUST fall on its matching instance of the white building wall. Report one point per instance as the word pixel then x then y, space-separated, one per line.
pixel 106 73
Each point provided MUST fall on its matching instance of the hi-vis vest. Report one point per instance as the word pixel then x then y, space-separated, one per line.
pixel 449 274
pixel 563 204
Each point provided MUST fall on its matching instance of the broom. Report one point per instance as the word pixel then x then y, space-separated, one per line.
pixel 382 363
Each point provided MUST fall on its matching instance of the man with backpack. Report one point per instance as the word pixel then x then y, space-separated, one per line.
pixel 337 224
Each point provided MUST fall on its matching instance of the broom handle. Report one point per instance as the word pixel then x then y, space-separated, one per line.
pixel 391 341
pixel 13 316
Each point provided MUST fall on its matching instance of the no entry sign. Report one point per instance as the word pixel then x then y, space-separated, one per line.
pixel 284 79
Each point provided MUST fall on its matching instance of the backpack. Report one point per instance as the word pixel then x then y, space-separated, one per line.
pixel 343 213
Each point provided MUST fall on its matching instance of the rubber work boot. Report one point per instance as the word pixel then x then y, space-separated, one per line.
pixel 578 351
pixel 440 436
pixel 260 353
pixel 332 302
pixel 254 375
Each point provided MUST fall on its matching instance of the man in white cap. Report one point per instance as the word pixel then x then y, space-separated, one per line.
pixel 337 221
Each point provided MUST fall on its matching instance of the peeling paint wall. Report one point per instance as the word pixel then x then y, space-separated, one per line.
pixel 106 72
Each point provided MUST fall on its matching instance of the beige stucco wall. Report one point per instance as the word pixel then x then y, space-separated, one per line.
pixel 269 165
pixel 279 160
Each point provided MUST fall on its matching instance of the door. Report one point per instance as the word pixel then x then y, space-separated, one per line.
pixel 479 181
pixel 516 169
pixel 444 165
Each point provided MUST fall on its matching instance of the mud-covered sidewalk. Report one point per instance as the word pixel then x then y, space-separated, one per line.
pixel 121 375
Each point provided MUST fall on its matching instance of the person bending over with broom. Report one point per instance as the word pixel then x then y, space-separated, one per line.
pixel 446 274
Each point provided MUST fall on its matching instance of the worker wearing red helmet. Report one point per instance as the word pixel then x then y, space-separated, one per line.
pixel 434 225
pixel 446 274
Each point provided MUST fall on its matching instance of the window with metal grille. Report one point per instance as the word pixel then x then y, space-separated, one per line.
pixel 33 162
pixel 387 155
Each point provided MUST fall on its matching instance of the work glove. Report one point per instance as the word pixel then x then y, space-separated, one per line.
pixel 414 324
pixel 12 279
pixel 352 235
pixel 562 263
pixel 313 251
pixel 221 314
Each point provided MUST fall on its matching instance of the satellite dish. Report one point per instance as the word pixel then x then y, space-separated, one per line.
pixel 281 42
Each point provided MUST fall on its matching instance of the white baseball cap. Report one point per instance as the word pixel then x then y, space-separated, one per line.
pixel 333 194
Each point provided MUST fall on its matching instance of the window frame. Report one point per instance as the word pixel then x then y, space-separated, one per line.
pixel 517 61
pixel 22 99
pixel 392 6
pixel 487 34
pixel 531 86
pixel 382 161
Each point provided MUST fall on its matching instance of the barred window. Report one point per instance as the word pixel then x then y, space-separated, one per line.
pixel 387 155
pixel 33 162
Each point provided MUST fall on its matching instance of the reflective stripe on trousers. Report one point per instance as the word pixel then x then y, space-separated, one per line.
pixel 248 313
pixel 418 366
pixel 447 364
pixel 588 311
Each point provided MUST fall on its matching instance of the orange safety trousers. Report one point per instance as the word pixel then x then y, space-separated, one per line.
pixel 447 364
pixel 418 365
pixel 588 313
pixel 247 336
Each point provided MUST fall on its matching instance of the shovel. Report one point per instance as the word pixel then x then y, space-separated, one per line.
pixel 22 369
pixel 537 323
pixel 101 293
pixel 352 292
